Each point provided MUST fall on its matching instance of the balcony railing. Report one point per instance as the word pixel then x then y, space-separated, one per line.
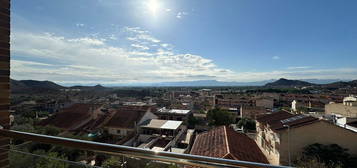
pixel 182 159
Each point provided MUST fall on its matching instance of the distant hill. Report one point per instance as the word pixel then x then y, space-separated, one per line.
pixel 209 83
pixel 282 82
pixel 96 87
pixel 30 86
pixel 340 84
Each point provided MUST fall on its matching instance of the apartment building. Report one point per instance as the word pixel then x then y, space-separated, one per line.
pixel 125 121
pixel 282 134
pixel 344 114
pixel 252 111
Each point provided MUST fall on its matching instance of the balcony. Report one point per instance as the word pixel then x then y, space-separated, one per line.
pixel 125 154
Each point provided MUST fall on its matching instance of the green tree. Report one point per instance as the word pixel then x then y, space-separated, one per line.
pixel 247 124
pixel 217 117
pixel 310 163
pixel 19 160
pixel 48 130
pixel 112 162
pixel 191 121
pixel 51 160
pixel 331 155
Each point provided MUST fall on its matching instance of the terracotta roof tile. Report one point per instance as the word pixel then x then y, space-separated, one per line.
pixel 224 142
pixel 277 120
pixel 72 116
pixel 127 117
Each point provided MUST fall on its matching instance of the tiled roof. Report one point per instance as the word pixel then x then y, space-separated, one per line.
pixel 125 118
pixel 72 116
pixel 224 142
pixel 277 120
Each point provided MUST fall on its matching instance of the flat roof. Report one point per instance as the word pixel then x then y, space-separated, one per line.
pixel 174 111
pixel 161 124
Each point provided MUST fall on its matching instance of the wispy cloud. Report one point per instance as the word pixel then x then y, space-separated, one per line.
pixel 80 25
pixel 86 59
pixel 275 57
pixel 141 47
pixel 181 14
pixel 299 67
pixel 46 56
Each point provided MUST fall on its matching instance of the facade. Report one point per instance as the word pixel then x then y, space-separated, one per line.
pixel 281 133
pixel 161 135
pixel 345 113
pixel 4 76
pixel 125 121
pixel 346 109
pixel 266 102
pixel 252 111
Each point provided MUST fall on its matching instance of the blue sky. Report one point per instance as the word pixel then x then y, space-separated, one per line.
pixel 137 41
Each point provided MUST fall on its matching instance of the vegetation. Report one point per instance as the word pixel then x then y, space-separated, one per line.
pixel 247 124
pixel 330 156
pixel 217 117
pixel 112 162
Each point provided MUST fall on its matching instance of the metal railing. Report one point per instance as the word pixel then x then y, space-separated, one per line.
pixel 184 159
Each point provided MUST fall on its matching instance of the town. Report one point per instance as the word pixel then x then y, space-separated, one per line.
pixel 285 122
pixel 178 84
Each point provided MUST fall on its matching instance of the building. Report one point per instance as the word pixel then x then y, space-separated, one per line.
pixel 172 114
pixel 266 102
pixel 343 113
pixel 282 134
pixel 75 116
pixel 346 109
pixel 224 142
pixel 252 111
pixel 161 135
pixel 125 121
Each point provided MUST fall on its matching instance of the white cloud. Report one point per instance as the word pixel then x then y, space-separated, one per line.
pixel 80 25
pixel 93 60
pixel 113 37
pixel 181 14
pixel 141 47
pixel 88 41
pixel 275 57
pixel 69 60
pixel 168 10
pixel 299 67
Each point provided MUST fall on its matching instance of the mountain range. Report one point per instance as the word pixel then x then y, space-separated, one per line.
pixel 21 86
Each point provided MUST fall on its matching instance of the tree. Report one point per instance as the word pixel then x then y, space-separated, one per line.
pixel 112 162
pixel 191 121
pixel 331 155
pixel 48 130
pixel 217 117
pixel 310 163
pixel 19 160
pixel 247 124
pixel 51 161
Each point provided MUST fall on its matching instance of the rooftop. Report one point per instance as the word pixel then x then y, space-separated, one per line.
pixel 71 117
pixel 224 142
pixel 173 111
pixel 125 118
pixel 280 120
pixel 161 124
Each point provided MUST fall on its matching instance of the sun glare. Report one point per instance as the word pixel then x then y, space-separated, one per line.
pixel 153 6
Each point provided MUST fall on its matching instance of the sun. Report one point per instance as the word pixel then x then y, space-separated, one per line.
pixel 153 6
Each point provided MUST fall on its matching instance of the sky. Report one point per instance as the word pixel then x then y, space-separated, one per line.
pixel 150 41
